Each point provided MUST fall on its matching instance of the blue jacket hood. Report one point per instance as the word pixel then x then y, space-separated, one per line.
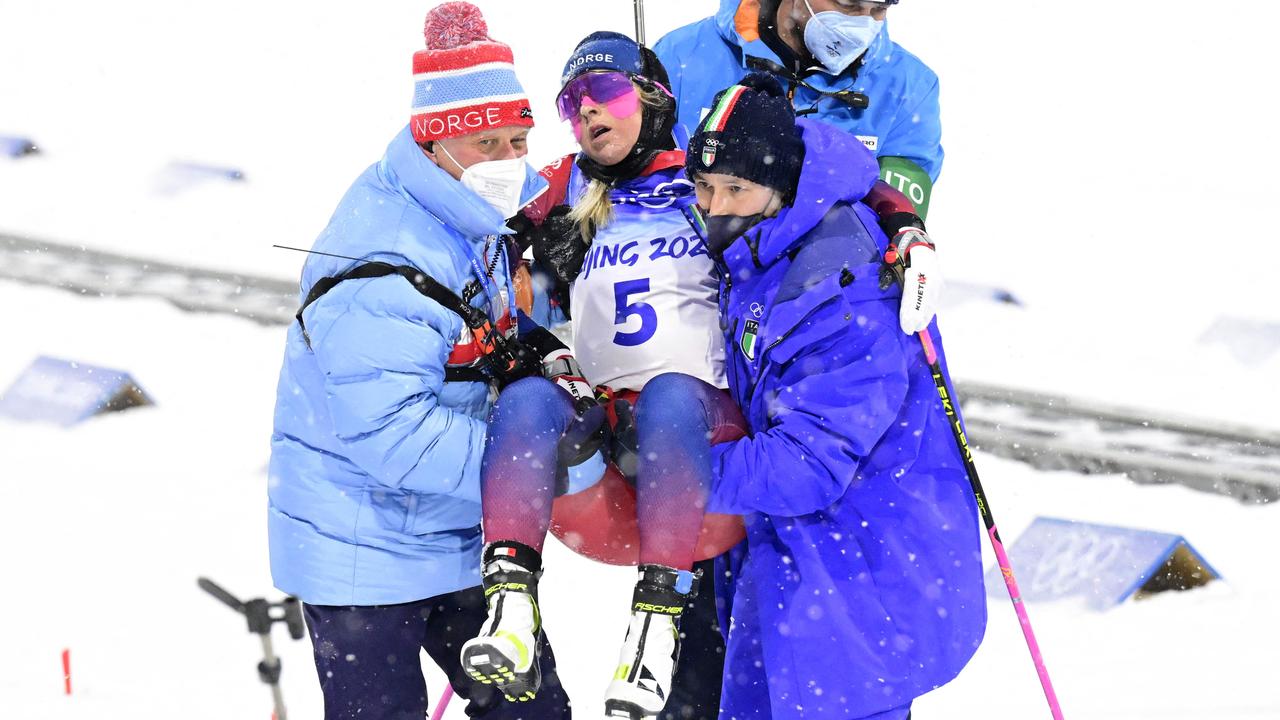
pixel 724 22
pixel 837 168
pixel 405 166
pixel 724 19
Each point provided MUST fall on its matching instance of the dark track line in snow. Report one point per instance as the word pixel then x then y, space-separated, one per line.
pixel 1057 433
pixel 1045 431
pixel 265 301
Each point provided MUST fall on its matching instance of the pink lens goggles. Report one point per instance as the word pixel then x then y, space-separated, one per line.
pixel 612 90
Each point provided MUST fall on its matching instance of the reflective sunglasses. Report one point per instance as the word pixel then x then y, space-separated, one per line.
pixel 611 89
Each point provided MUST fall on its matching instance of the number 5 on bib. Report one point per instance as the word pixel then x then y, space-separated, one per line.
pixel 624 310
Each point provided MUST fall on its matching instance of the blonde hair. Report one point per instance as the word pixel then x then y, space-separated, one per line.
pixel 594 210
pixel 774 207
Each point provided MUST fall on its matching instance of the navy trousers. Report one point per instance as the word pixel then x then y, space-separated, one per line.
pixel 368 661
pixel 695 691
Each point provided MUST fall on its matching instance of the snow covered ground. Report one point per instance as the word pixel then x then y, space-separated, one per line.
pixel 1105 163
pixel 107 525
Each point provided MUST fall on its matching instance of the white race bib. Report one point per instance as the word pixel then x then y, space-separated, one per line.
pixel 645 302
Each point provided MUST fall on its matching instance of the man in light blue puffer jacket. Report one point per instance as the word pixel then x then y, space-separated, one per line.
pixel 374 517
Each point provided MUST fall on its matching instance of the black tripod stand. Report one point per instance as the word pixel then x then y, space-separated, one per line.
pixel 262 615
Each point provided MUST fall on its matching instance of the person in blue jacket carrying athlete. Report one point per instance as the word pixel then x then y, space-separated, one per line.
pixel 840 66
pixel 859 587
pixel 374 495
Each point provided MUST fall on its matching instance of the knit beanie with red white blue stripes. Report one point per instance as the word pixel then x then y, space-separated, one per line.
pixel 750 133
pixel 464 81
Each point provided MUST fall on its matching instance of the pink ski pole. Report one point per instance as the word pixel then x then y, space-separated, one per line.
pixel 1002 558
pixel 444 702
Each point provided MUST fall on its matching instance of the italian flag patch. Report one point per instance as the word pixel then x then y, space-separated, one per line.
pixel 709 153
pixel 748 340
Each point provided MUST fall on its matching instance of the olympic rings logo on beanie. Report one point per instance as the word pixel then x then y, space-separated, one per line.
pixel 464 81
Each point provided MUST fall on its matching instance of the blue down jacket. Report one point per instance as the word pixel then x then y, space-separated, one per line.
pixel 902 119
pixel 374 494
pixel 859 586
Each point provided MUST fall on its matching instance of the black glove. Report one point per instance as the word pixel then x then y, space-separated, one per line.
pixel 585 435
pixel 625 447
pixel 524 231
pixel 525 356
pixel 512 360
pixel 558 245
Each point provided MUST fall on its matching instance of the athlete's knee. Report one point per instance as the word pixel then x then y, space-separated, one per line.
pixel 672 398
pixel 530 400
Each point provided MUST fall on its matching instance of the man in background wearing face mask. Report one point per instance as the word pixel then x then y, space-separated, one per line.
pixel 821 46
pixel 374 493
pixel 839 66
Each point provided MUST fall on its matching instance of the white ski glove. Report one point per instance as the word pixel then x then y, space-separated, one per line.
pixel 921 279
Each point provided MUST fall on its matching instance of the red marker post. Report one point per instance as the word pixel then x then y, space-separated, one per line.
pixel 66 670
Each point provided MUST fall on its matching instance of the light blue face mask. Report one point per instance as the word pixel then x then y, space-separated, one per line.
pixel 836 39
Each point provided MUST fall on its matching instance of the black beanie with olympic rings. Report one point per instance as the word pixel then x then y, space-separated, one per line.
pixel 750 133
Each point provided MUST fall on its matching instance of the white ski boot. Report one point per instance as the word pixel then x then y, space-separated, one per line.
pixel 642 681
pixel 505 654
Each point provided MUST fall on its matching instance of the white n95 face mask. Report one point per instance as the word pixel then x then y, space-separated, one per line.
pixel 836 39
pixel 497 182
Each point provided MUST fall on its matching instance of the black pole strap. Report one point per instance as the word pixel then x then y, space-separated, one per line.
pixel 473 317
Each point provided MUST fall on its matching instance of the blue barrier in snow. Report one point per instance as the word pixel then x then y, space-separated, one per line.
pixel 1103 564
pixel 959 292
pixel 181 175
pixel 16 146
pixel 66 392
pixel 1252 342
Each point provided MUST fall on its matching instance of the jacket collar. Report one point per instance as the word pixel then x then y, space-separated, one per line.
pixel 664 160
pixel 724 22
pixel 661 184
pixel 406 168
